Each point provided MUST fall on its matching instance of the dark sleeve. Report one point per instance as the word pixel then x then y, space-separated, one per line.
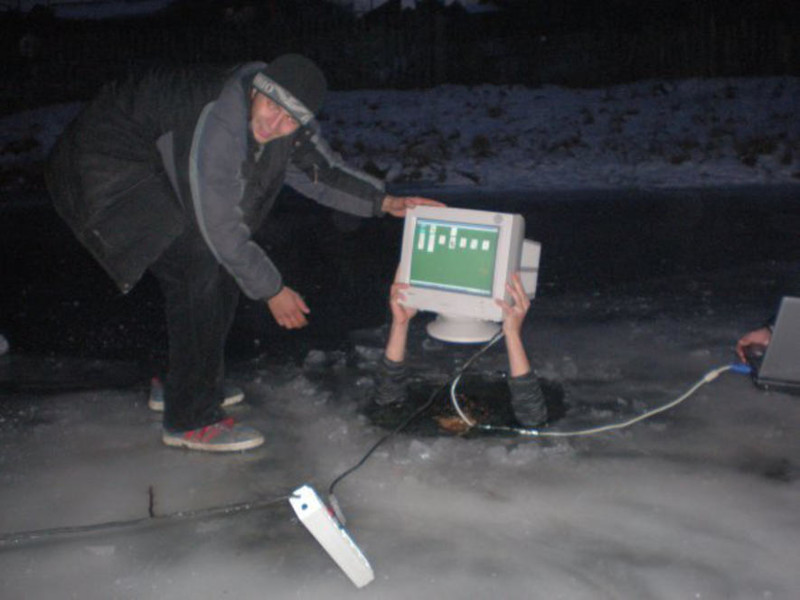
pixel 316 171
pixel 527 399
pixel 391 384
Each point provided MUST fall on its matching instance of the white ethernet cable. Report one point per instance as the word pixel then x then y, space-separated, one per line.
pixel 530 432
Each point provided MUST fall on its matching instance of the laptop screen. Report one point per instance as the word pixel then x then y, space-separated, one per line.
pixel 781 362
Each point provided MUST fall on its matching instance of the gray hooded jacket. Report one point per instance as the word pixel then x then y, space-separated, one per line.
pixel 172 150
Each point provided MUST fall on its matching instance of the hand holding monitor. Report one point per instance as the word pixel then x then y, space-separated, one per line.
pixel 457 263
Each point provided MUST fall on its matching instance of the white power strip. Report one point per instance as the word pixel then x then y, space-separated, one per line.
pixel 331 535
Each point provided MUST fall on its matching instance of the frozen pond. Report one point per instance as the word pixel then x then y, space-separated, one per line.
pixel 700 502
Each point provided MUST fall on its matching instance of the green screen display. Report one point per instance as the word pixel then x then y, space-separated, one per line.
pixel 456 257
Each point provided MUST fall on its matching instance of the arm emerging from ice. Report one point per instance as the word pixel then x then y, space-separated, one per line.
pixel 391 386
pixel 527 398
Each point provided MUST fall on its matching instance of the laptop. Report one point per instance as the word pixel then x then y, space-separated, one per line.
pixel 777 366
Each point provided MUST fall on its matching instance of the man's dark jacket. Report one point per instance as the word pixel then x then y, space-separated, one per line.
pixel 172 149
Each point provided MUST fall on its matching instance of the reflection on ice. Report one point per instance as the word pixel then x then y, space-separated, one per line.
pixel 700 502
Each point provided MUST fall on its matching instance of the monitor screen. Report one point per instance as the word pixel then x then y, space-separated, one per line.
pixel 457 263
pixel 455 257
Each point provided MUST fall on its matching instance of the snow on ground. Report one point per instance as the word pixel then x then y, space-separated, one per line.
pixel 694 133
pixel 652 133
pixel 361 7
pixel 109 9
pixel 96 9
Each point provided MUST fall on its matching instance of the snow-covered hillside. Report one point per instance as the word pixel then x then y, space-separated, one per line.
pixel 716 132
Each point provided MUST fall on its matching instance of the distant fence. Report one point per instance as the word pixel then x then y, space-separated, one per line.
pixel 51 60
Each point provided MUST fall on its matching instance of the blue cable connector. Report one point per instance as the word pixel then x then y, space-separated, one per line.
pixel 742 368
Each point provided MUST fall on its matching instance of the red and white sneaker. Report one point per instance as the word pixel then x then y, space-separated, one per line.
pixel 222 436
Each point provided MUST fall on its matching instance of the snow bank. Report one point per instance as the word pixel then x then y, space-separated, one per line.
pixel 717 132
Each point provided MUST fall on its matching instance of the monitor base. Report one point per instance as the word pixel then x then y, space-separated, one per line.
pixel 462 330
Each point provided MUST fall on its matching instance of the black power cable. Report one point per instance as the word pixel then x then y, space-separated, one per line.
pixel 21 537
pixel 422 409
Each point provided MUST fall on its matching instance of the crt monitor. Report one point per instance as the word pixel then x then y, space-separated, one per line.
pixel 457 262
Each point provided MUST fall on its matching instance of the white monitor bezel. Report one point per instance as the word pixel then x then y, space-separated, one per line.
pixel 511 228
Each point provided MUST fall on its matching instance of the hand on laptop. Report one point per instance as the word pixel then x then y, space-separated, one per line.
pixel 758 337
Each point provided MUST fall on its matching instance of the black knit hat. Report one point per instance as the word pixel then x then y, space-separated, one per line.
pixel 296 83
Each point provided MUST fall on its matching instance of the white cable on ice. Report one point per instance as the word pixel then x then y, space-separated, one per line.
pixel 707 378
pixel 453 385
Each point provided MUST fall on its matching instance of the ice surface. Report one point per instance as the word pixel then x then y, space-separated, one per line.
pixel 700 502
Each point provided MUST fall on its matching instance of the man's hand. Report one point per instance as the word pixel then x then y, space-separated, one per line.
pixel 289 309
pixel 398 205
pixel 759 337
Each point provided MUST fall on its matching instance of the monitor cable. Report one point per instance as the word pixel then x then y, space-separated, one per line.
pixel 406 422
pixel 535 432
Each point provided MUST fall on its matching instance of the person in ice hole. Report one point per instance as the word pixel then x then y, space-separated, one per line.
pixel 527 399
pixel 172 171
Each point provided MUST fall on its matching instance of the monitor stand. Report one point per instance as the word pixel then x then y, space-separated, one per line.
pixel 462 330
